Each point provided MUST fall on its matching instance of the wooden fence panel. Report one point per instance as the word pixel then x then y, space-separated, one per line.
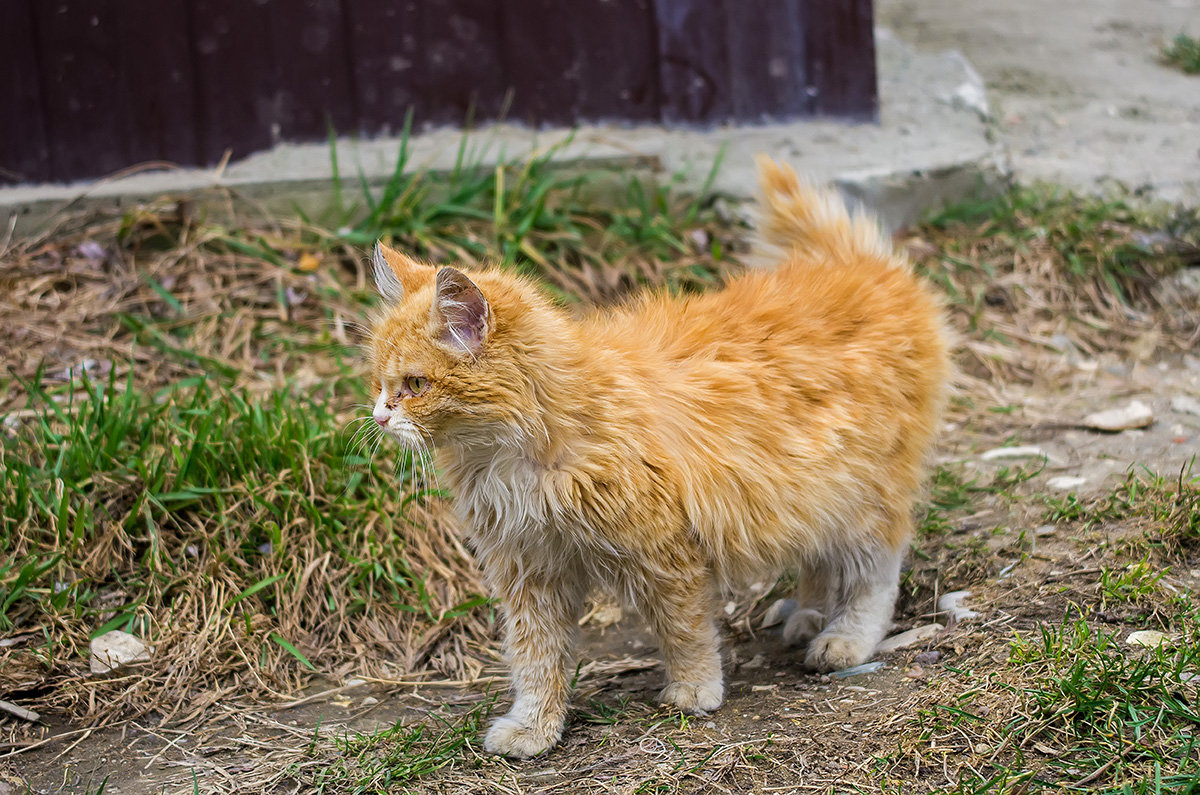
pixel 157 81
pixel 93 86
pixel 24 145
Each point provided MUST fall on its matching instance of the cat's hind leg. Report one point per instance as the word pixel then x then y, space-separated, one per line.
pixel 814 603
pixel 861 615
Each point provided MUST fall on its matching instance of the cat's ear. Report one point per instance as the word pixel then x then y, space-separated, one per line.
pixel 460 313
pixel 396 274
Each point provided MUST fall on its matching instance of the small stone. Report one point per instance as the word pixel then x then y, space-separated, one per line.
pixel 1136 415
pixel 858 670
pixel 354 681
pixel 757 661
pixel 928 657
pixel 1066 482
pixel 952 603
pixel 981 749
pixel 730 608
pixel 1045 530
pixel 605 615
pixel 1150 638
pixel 779 612
pixel 91 250
pixel 1014 452
pixel 1185 404
pixel 370 701
pixel 116 648
pixel 909 637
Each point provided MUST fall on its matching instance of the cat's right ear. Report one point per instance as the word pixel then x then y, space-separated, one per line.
pixel 396 274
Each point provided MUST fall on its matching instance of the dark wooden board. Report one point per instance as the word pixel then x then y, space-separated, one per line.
pixel 840 53
pixel 463 62
pixel 238 103
pixel 157 81
pixel 693 61
pixel 92 86
pixel 385 47
pixel 24 148
pixel 83 102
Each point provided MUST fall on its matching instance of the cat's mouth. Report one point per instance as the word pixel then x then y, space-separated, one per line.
pixel 409 438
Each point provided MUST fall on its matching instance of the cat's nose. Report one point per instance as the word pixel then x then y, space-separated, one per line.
pixel 382 419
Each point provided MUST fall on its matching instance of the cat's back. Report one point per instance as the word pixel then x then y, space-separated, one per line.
pixel 819 319
pixel 791 404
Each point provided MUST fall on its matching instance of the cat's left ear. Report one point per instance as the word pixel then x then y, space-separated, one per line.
pixel 397 274
pixel 460 313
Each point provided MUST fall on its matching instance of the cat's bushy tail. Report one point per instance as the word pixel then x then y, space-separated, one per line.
pixel 813 224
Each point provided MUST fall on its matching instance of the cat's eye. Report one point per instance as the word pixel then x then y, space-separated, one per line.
pixel 415 384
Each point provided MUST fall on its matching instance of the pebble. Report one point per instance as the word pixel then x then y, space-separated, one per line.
pixel 1185 404
pixel 778 612
pixel 909 637
pixel 1136 415
pixel 858 670
pixel 1150 638
pixel 1066 482
pixel 116 648
pixel 952 603
pixel 757 661
pixel 928 657
pixel 1014 452
pixel 370 701
pixel 1045 530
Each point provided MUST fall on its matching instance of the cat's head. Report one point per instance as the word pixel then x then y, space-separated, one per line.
pixel 441 353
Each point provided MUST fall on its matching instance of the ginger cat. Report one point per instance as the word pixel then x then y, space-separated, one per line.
pixel 675 445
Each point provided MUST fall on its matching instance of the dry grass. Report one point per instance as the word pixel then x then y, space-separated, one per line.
pixel 1042 270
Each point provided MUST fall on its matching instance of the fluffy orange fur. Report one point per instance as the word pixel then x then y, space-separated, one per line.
pixel 675 445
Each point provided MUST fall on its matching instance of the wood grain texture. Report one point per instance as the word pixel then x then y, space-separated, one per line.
pixel 94 86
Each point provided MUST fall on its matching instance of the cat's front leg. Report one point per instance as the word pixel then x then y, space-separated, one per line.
pixel 679 609
pixel 541 618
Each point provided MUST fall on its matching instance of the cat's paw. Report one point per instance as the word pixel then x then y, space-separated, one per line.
pixel 509 737
pixel 693 699
pixel 802 626
pixel 830 652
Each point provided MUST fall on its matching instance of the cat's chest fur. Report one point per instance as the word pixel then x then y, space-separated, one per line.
pixel 506 497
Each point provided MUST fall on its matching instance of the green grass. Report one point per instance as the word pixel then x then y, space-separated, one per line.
pixel 1074 710
pixel 1167 508
pixel 388 760
pixel 1183 53
pixel 1043 257
pixel 951 494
